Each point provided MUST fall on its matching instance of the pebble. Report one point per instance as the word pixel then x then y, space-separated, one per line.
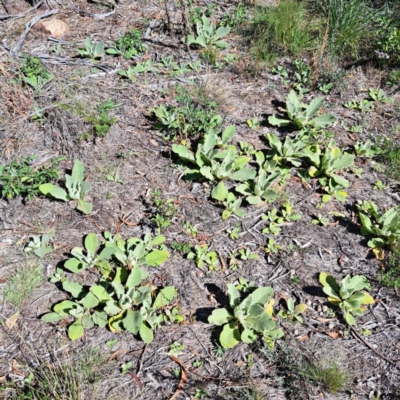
pixel 331 325
pixel 309 303
pixel 319 308
pixel 324 308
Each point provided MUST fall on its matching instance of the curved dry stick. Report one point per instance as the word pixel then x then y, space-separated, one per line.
pixel 29 26
pixel 20 15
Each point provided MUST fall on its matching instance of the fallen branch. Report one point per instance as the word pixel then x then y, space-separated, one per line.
pixel 98 16
pixel 20 15
pixel 29 26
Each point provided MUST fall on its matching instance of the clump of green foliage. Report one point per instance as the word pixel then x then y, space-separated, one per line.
pixel 128 45
pixel 192 116
pixel 384 228
pixel 35 74
pixel 390 276
pixel 119 299
pixel 249 317
pixel 181 247
pixel 299 372
pixel 39 244
pixel 347 295
pixel 99 118
pixel 390 158
pixel 164 210
pixel 21 284
pixel 20 178
pixel 77 189
pixel 278 30
pixel 237 16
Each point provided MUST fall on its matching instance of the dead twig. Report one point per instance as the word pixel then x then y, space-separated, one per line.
pixel 98 16
pixel 20 15
pixel 15 50
pixel 359 338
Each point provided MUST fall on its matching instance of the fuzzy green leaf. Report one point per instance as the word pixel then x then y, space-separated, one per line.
pixel 220 317
pixel 146 333
pixel 230 336
pixel 220 192
pixel 133 321
pixel 156 258
pixel 164 297
pixel 75 330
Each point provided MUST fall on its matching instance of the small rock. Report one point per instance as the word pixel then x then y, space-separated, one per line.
pixel 331 325
pixel 319 308
pixel 324 308
pixel 309 303
pixel 53 27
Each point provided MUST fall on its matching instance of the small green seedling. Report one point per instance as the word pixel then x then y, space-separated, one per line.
pixel 246 149
pixel 92 50
pixel 293 312
pixel 363 105
pixel 181 247
pixel 253 123
pixel 173 315
pixel 246 254
pixel 76 186
pixel 190 229
pixel 352 128
pixel 247 319
pixel 357 172
pixel 326 88
pixel 208 35
pixel 175 348
pixel 115 177
pixel 39 244
pixel 200 394
pixel 126 367
pixel 347 295
pixel 244 286
pixel 228 200
pixel 202 256
pixel 366 149
pixel 272 246
pixel 234 232
pixel 320 220
pixel 302 115
pixel 378 95
pixel 384 228
pixel 379 185
pixel 197 363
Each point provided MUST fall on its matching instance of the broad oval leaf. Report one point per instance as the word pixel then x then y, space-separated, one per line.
pixel 230 336
pixel 91 242
pixel 90 301
pixel 220 317
pixel 220 192
pixel 51 317
pixel 77 171
pixel 146 333
pixel 164 297
pixel 248 336
pixel 156 258
pixel 74 265
pixel 75 330
pixel 75 289
pixel 133 321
